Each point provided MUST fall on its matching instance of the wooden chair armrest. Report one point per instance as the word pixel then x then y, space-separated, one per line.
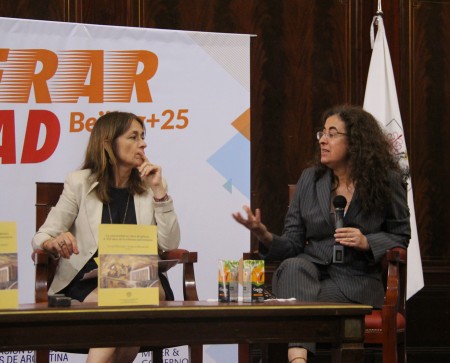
pixel 41 261
pixel 188 259
pixel 397 254
pixel 396 260
pixel 184 256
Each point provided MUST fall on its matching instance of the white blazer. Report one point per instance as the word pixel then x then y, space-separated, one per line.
pixel 80 211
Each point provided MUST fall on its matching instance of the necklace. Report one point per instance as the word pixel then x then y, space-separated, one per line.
pixel 125 214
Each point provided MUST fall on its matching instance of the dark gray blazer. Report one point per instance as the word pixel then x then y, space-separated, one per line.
pixel 309 229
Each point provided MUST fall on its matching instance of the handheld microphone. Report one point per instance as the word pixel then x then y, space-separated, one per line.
pixel 339 203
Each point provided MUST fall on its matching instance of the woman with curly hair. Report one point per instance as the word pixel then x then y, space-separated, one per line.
pixel 355 160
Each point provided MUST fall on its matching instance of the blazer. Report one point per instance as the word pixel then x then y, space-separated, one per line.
pixel 309 229
pixel 80 211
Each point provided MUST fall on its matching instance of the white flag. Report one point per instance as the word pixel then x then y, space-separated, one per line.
pixel 382 102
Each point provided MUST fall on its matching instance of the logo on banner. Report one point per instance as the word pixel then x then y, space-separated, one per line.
pixel 65 77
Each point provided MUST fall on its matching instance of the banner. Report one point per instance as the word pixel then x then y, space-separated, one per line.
pixel 191 88
pixel 381 101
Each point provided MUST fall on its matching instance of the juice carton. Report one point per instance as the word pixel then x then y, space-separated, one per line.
pixel 247 281
pixel 253 280
pixel 228 280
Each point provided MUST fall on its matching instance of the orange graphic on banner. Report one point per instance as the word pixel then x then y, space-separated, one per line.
pixel 242 124
pixel 32 151
pixel 66 76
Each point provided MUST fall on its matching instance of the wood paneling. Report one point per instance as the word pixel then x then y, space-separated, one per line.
pixel 430 135
pixel 427 95
pixel 40 10
pixel 307 56
pixel 107 12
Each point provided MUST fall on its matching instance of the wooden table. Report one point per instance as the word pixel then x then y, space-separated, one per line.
pixel 36 326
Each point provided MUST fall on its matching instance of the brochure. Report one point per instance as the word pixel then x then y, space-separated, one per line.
pixel 128 265
pixel 163 266
pixel 9 296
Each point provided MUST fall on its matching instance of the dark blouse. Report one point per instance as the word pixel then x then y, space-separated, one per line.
pixel 120 210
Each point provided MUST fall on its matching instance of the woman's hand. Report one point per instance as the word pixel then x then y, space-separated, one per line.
pixel 152 176
pixel 65 245
pixel 253 223
pixel 351 237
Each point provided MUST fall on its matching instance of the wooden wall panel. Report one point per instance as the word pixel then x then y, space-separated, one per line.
pixel 41 10
pixel 430 105
pixel 428 73
pixel 106 12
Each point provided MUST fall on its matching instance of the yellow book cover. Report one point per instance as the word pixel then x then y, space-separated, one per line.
pixel 128 265
pixel 9 286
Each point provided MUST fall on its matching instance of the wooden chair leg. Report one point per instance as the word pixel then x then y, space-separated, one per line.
pixel 42 356
pixel 276 352
pixel 389 354
pixel 389 335
pixel 157 355
pixel 401 353
pixel 196 353
pixel 243 353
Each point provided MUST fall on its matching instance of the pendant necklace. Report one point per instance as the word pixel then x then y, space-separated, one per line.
pixel 126 210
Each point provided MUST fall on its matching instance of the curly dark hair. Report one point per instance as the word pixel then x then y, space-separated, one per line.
pixel 371 156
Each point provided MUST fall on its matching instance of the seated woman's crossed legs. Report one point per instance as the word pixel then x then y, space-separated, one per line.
pixel 302 279
pixel 112 354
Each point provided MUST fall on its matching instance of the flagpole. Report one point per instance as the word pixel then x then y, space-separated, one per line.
pixel 379 10
pixel 378 14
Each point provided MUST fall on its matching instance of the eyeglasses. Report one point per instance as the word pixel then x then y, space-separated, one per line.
pixel 330 134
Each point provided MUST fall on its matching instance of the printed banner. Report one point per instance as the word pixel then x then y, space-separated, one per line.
pixel 191 88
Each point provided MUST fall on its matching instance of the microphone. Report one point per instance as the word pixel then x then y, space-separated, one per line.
pixel 339 203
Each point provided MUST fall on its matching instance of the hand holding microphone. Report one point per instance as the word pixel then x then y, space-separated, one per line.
pixel 339 203
pixel 346 236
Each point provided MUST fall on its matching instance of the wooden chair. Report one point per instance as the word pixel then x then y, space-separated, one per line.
pixel 385 327
pixel 47 195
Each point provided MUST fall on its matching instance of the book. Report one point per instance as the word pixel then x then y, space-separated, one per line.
pixel 9 285
pixel 163 266
pixel 128 265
